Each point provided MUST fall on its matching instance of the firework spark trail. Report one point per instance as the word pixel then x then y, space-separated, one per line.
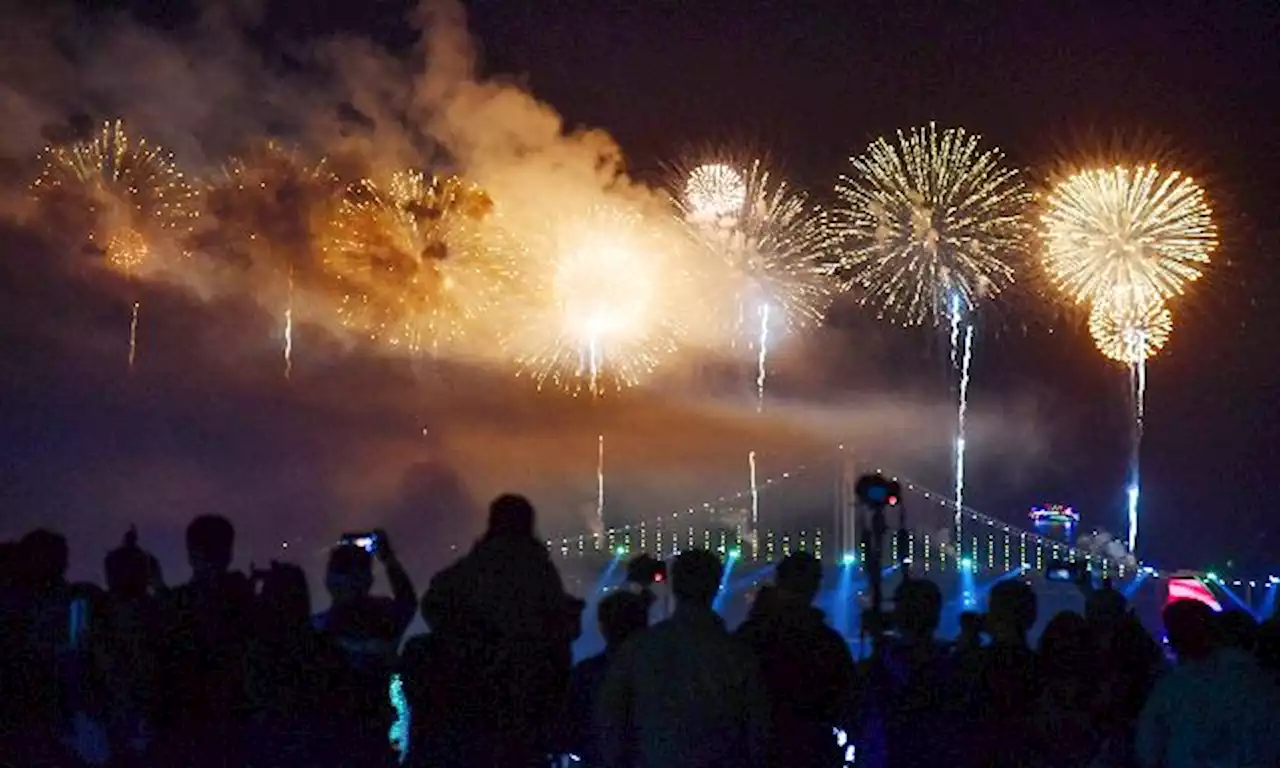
pixel 133 336
pixel 593 352
pixel 1131 326
pixel 600 482
pixel 763 358
pixel 288 330
pixel 960 431
pixel 1138 386
pixel 755 492
pixel 955 330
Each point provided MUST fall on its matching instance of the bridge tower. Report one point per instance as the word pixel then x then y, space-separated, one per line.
pixel 846 505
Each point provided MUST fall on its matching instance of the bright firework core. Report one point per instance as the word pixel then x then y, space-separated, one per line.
pixel 714 190
pixel 1130 331
pixel 614 299
pixel 1133 229
pixel 605 297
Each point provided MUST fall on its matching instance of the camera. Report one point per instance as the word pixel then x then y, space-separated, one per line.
pixel 366 540
pixel 877 491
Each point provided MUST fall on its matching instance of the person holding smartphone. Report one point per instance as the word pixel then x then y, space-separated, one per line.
pixel 362 634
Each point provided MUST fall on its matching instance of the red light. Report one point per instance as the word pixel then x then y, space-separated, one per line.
pixel 657 577
pixel 893 501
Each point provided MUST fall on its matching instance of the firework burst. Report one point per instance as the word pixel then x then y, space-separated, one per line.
pixel 422 259
pixel 769 234
pixel 610 314
pixel 266 199
pixel 139 203
pixel 928 220
pixel 1134 229
pixel 1130 331
pixel 714 190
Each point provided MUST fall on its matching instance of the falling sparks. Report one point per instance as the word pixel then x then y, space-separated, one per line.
pixel 1134 229
pixel 961 436
pixel 924 220
pixel 600 482
pixel 423 259
pixel 133 335
pixel 763 357
pixel 755 492
pixel 288 331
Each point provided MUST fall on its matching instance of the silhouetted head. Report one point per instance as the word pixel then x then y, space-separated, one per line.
pixel 1065 645
pixel 970 624
pixel 44 557
pixel 695 577
pixel 1189 624
pixel 799 575
pixel 1105 608
pixel 285 599
pixel 210 542
pixel 917 608
pixel 1237 629
pixel 621 615
pixel 1011 611
pixel 350 573
pixel 128 568
pixel 510 516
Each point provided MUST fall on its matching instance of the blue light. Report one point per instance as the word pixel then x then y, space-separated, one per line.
pixel 966 564
pixel 735 553
pixel 620 551
pixel 849 558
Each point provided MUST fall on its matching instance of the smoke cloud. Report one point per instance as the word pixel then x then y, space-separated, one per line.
pixel 357 435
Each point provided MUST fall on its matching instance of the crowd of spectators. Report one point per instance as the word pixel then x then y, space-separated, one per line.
pixel 234 669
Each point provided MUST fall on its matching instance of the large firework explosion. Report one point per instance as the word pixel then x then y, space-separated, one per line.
pixel 1126 240
pixel 1133 229
pixel 612 309
pixel 139 203
pixel 422 260
pixel 928 221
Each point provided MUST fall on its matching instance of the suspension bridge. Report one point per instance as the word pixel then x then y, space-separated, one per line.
pixel 812 508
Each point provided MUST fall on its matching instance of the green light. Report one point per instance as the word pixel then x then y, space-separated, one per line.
pixel 735 552
pixel 620 551
pixel 849 558
pixel 1211 576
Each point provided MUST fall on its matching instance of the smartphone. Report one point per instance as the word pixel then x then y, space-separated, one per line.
pixel 366 540
pixel 1059 574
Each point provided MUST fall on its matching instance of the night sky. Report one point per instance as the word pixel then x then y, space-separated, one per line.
pixel 207 424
